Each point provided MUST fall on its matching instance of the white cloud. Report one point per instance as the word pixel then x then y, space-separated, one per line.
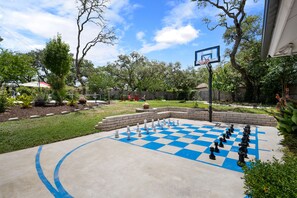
pixel 27 25
pixel 140 36
pixel 181 13
pixel 171 36
pixel 179 35
pixel 177 29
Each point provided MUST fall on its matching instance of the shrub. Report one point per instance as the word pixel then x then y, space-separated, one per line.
pixel 72 102
pixel 10 102
pixel 26 90
pixel 40 99
pixel 271 179
pixel 287 118
pixel 26 100
pixel 3 102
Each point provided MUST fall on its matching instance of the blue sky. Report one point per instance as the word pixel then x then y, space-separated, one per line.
pixel 163 30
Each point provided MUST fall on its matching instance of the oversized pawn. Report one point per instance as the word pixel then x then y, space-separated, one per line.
pixel 128 129
pixel 227 135
pixel 145 127
pixel 241 161
pixel 221 143
pixel 117 134
pixel 232 128
pixel 212 156
pixel 224 138
pixel 128 137
pixel 217 150
pixel 137 129
pixel 139 134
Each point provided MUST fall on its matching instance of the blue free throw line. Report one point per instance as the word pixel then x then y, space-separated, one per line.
pixel 41 175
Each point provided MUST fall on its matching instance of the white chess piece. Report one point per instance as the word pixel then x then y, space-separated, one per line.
pixel 117 134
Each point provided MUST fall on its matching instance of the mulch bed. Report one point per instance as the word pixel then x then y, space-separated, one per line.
pixel 22 113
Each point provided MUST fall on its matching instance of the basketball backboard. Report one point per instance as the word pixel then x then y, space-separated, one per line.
pixel 208 55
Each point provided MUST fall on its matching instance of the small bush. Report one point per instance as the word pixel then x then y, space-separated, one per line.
pixel 10 102
pixel 271 179
pixel 26 100
pixel 72 102
pixel 3 102
pixel 26 90
pixel 40 99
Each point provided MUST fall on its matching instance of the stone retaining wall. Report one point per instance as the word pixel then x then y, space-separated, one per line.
pixel 115 122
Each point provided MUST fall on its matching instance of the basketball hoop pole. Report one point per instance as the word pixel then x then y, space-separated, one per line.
pixel 206 57
pixel 209 67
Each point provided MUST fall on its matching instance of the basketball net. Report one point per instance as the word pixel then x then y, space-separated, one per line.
pixel 204 62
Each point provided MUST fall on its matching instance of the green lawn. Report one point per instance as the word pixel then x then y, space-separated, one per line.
pixel 29 133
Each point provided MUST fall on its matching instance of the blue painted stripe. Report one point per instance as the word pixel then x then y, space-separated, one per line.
pixel 257 143
pixel 41 175
pixel 58 183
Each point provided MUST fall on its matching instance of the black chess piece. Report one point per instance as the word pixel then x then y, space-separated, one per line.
pixel 241 161
pixel 232 128
pixel 246 135
pixel 247 129
pixel 227 136
pixel 229 132
pixel 221 143
pixel 245 141
pixel 212 156
pixel 243 148
pixel 224 138
pixel 217 150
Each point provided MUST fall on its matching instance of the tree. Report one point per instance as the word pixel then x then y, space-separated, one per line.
pixel 126 70
pixel 232 12
pixel 90 12
pixel 15 67
pixel 99 80
pixel 226 79
pixel 37 57
pixel 281 72
pixel 58 60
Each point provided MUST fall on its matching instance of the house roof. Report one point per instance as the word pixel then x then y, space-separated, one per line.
pixel 279 36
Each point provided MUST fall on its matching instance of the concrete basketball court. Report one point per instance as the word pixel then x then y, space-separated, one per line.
pixel 98 166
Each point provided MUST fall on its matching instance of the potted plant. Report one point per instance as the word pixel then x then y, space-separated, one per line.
pixel 146 106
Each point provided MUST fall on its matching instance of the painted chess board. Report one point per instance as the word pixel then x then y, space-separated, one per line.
pixel 193 142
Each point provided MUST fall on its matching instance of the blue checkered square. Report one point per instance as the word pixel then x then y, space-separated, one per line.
pixel 189 154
